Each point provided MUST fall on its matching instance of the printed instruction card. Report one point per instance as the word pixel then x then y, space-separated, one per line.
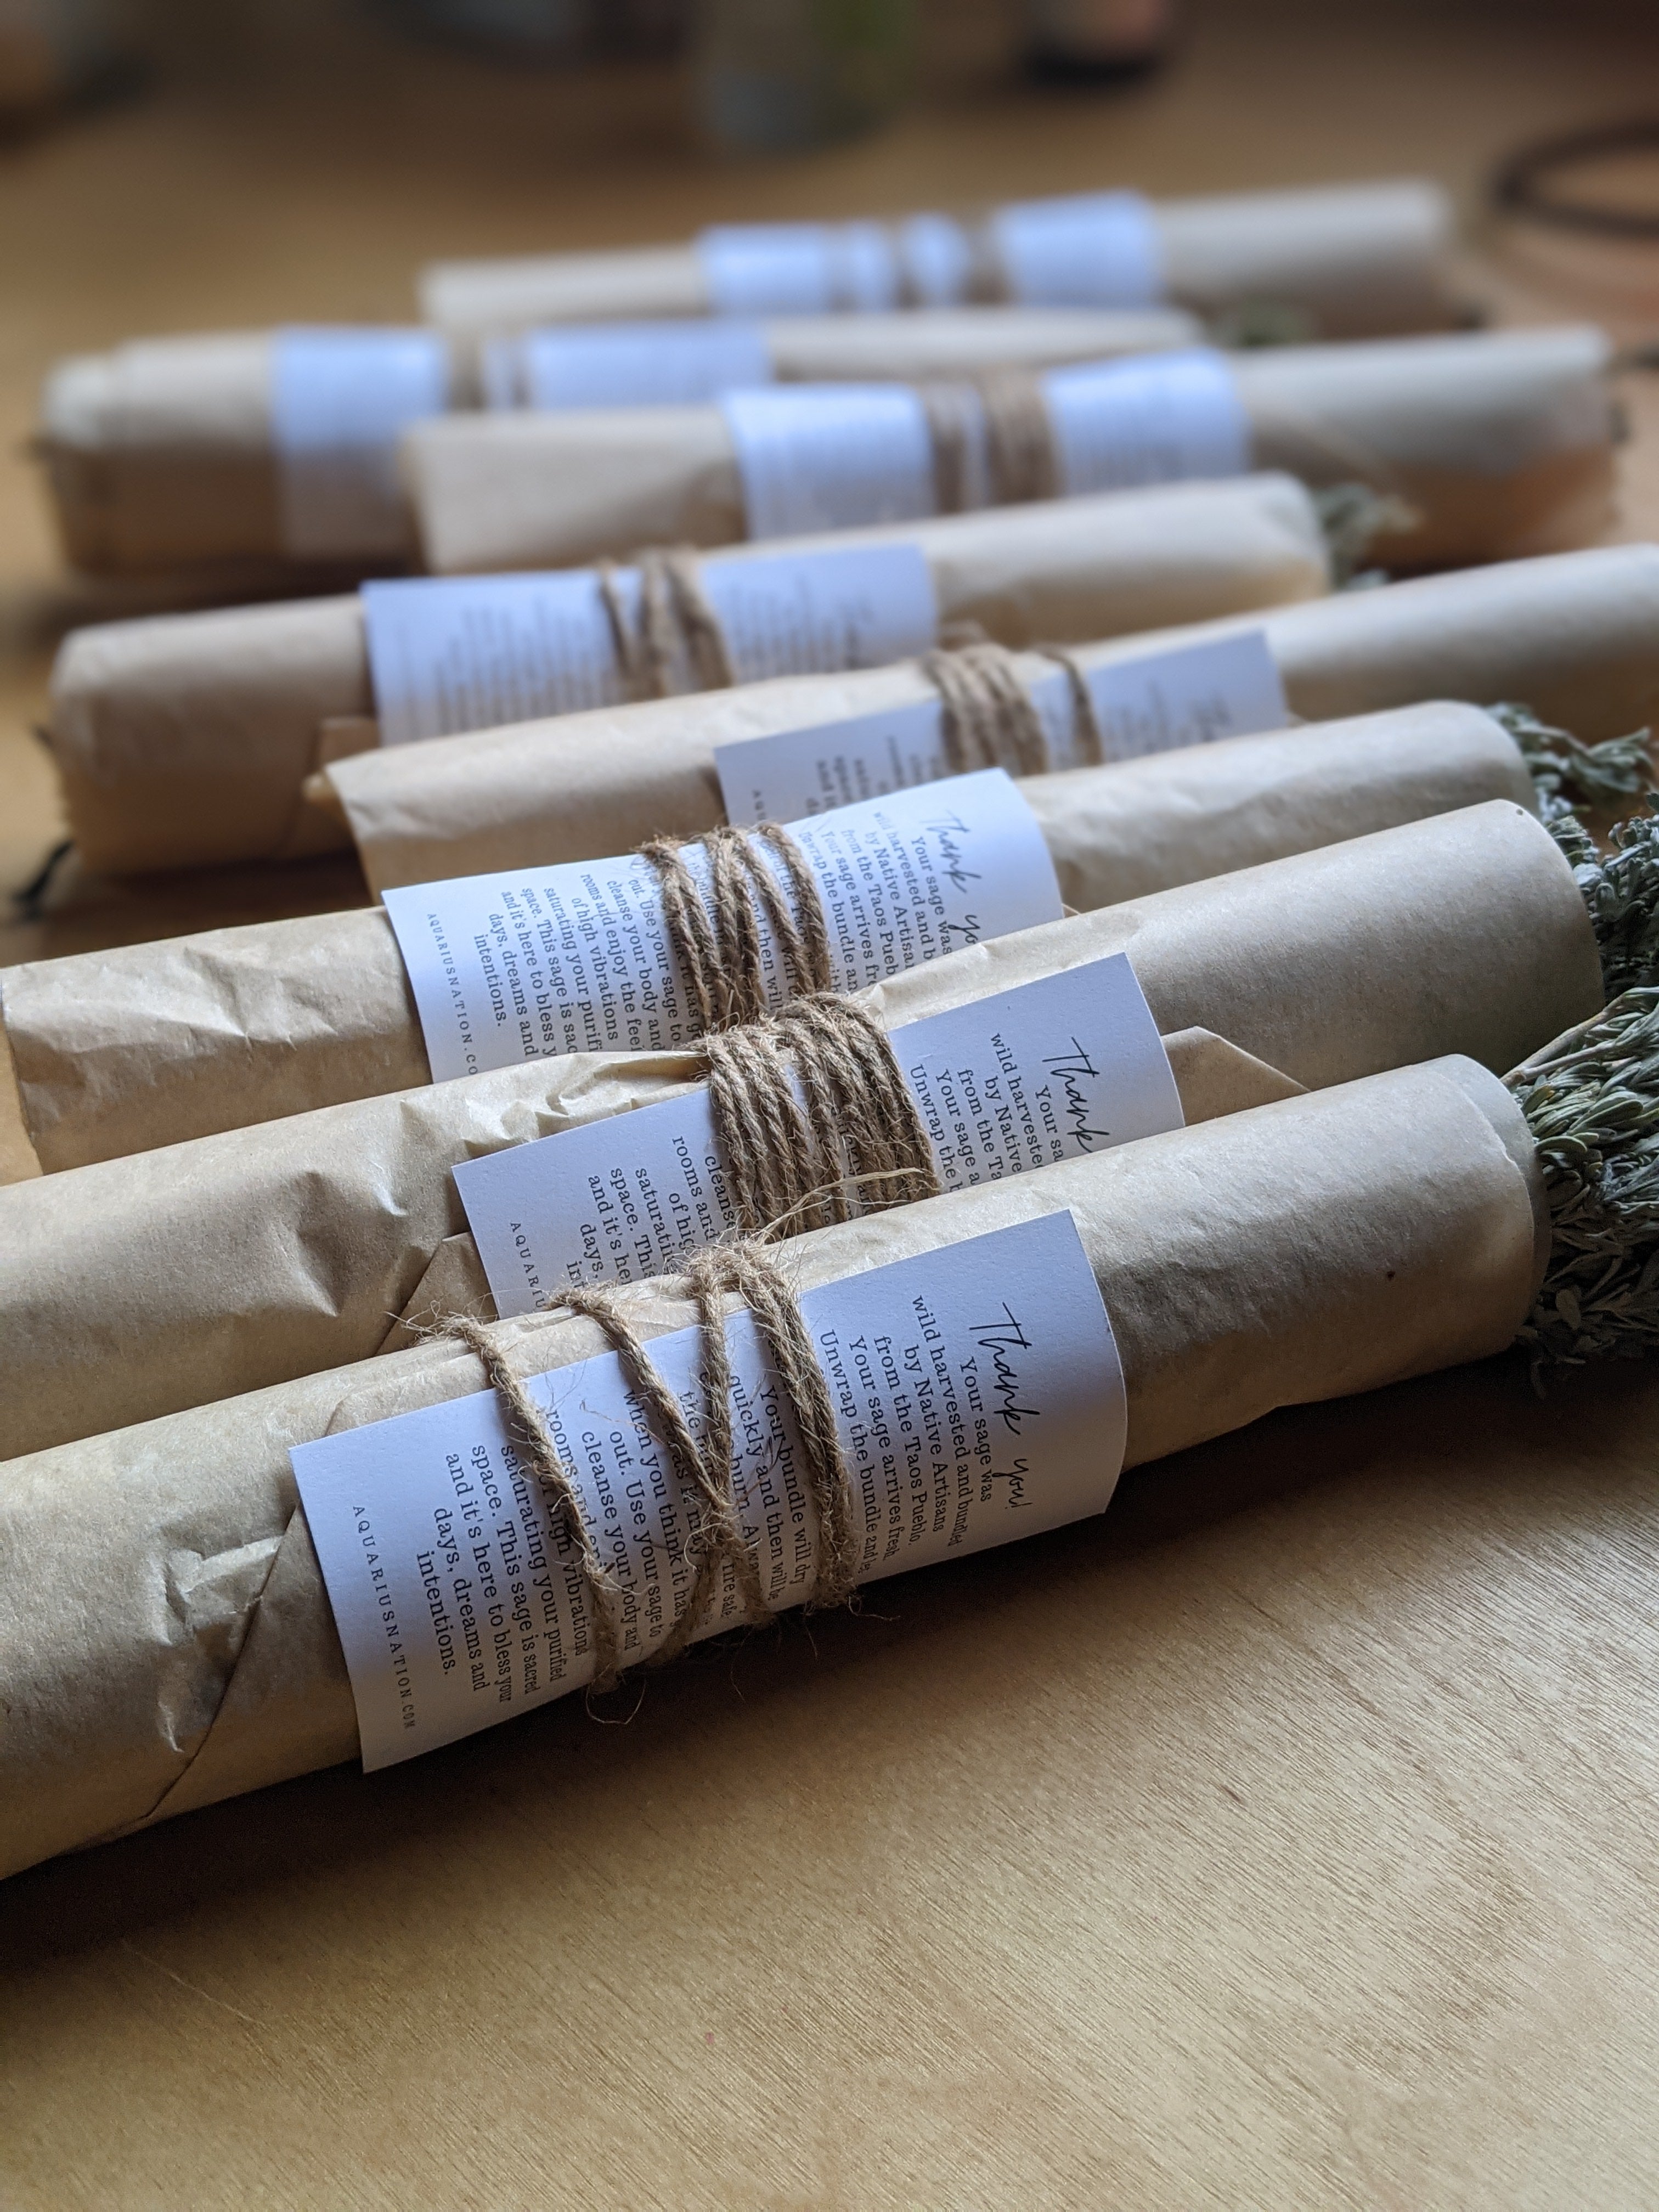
pixel 1224 687
pixel 1068 1065
pixel 450 654
pixel 518 965
pixel 978 1398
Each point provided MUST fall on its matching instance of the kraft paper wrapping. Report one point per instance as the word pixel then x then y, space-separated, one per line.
pixel 1501 443
pixel 160 454
pixel 118 1051
pixel 138 1286
pixel 184 740
pixel 1352 260
pixel 1575 635
pixel 167 1638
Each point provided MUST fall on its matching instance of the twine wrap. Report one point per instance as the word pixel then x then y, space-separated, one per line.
pixel 702 1464
pixel 1020 436
pixel 796 1162
pixel 993 440
pixel 717 943
pixel 675 626
pixel 988 720
pixel 954 427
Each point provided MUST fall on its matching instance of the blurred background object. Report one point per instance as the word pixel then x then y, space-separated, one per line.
pixel 554 30
pixel 1093 41
pixel 52 51
pixel 768 75
pixel 1602 180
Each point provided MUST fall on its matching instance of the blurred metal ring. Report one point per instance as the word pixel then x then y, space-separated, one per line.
pixel 1522 184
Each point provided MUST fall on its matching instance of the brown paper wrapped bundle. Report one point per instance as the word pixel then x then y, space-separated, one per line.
pixel 161 455
pixel 120 1051
pixel 184 740
pixel 1575 635
pixel 1332 261
pixel 1491 447
pixel 137 1286
pixel 166 1637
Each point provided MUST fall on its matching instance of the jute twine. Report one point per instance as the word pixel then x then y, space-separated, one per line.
pixel 989 720
pixel 1002 412
pixel 703 1466
pixel 717 943
pixel 797 1160
pixel 986 282
pixel 1020 436
pixel 789 1159
pixel 718 940
pixel 675 626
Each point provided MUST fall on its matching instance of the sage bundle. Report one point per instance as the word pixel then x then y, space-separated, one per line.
pixel 1482 446
pixel 186 453
pixel 1309 1249
pixel 1571 635
pixel 135 1287
pixel 1332 260
pixel 186 740
pixel 139 1046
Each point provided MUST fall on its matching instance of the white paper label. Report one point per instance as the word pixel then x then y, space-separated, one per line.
pixel 978 1395
pixel 938 259
pixel 1160 702
pixel 798 268
pixel 1155 419
pixel 515 967
pixel 1096 250
pixel 1151 703
pixel 449 653
pixel 831 456
pixel 796 773
pixel 340 399
pixel 1068 1065
pixel 632 364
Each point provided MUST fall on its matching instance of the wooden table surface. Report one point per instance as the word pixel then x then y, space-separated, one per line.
pixel 1285 1838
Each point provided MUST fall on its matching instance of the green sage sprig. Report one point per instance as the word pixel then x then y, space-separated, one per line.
pixel 1621 891
pixel 1591 1100
pixel 1567 773
pixel 1353 517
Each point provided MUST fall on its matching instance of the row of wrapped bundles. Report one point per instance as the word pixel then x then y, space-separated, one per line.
pixel 1487 446
pixel 167 1635
pixel 1571 635
pixel 263 732
pixel 1335 261
pixel 137 1047
pixel 264 449
pixel 186 740
pixel 247 449
pixel 137 1286
pixel 127 1048
pixel 240 449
